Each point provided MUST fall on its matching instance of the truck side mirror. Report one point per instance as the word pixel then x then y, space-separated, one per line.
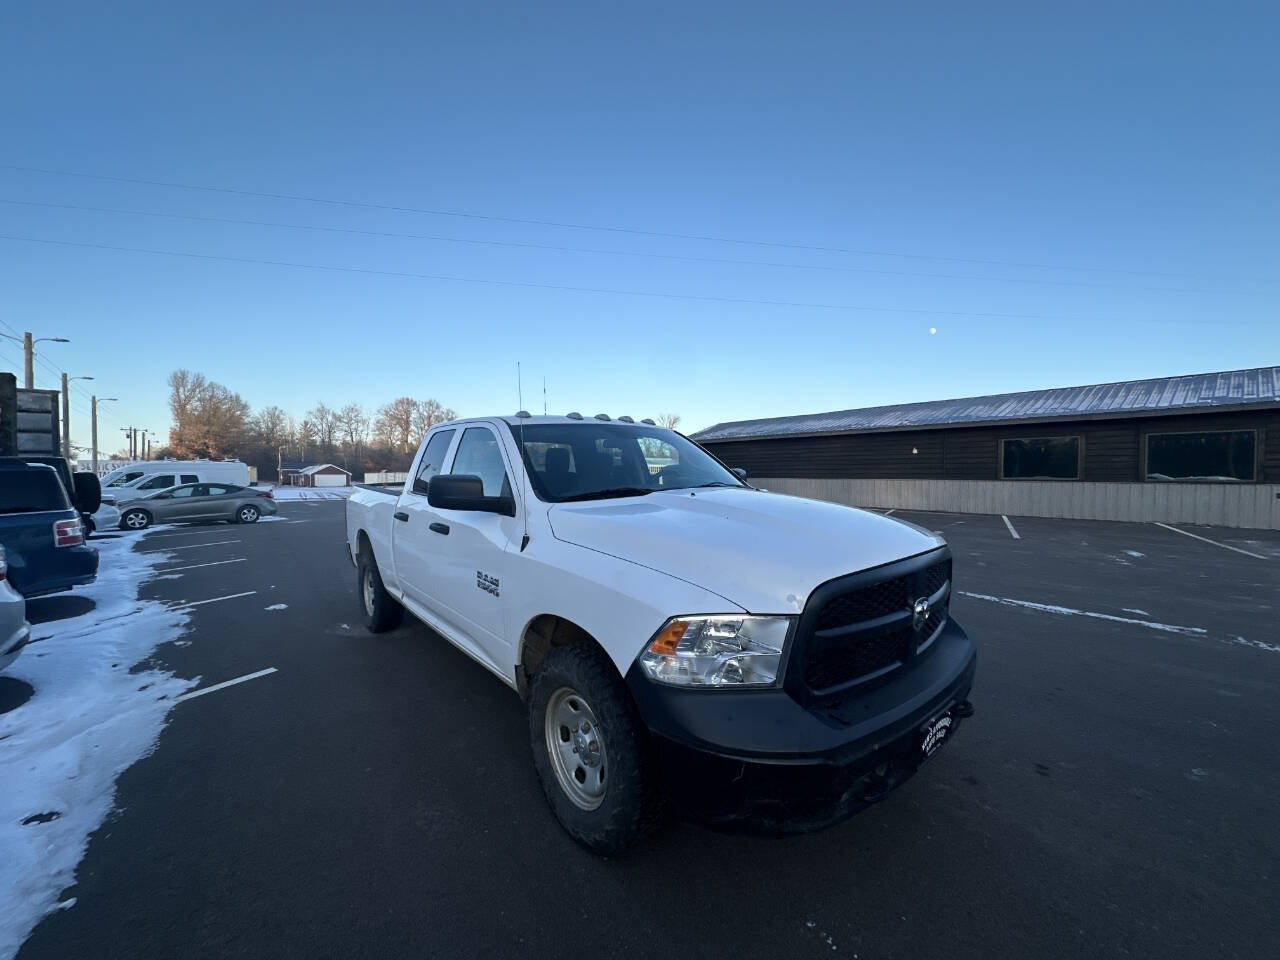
pixel 740 473
pixel 88 491
pixel 463 491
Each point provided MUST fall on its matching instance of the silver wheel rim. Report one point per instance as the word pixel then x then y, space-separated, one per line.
pixel 136 520
pixel 368 591
pixel 248 514
pixel 576 748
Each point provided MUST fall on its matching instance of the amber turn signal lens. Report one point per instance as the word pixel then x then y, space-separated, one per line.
pixel 665 643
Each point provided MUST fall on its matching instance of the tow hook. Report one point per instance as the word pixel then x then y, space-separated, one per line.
pixel 962 709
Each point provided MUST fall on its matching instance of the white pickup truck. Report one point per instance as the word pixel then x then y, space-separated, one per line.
pixel 760 659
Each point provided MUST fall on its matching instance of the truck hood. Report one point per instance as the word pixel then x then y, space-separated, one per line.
pixel 764 552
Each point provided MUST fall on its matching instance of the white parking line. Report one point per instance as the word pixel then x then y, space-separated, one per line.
pixel 1224 546
pixel 197 566
pixel 190 546
pixel 189 533
pixel 1012 532
pixel 1198 632
pixel 197 603
pixel 225 683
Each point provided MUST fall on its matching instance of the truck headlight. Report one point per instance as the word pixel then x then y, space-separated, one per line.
pixel 723 651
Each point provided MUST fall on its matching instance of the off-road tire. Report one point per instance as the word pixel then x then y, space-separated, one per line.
pixel 381 611
pixel 631 803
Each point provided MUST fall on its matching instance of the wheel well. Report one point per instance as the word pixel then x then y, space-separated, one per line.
pixel 363 545
pixel 543 634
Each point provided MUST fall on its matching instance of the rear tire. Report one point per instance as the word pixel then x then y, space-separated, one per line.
pixel 381 610
pixel 135 520
pixel 591 750
pixel 247 514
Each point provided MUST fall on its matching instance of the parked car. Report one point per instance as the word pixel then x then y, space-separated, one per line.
pixel 41 532
pixel 760 658
pixel 83 487
pixel 146 476
pixel 197 501
pixel 14 629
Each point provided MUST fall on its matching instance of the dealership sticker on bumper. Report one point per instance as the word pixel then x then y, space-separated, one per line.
pixel 935 733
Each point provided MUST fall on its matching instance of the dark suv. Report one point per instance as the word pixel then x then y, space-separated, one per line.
pixel 42 533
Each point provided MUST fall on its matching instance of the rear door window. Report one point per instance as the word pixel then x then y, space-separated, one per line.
pixel 26 491
pixel 191 491
pixel 218 489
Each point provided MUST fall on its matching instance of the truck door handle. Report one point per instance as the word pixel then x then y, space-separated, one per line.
pixel 439 528
pixel 401 515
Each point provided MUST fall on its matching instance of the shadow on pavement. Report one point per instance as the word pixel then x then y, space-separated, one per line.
pixel 13 693
pixel 48 609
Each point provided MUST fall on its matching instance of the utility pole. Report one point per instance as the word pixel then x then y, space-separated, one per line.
pixel 66 419
pixel 143 451
pixel 93 416
pixel 28 361
pixel 128 432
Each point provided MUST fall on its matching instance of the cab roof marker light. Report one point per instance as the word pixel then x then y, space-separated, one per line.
pixel 649 422
pixel 625 419
pixel 602 416
pixel 574 415
pixel 522 414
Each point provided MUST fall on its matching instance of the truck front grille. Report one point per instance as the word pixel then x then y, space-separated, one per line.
pixel 869 629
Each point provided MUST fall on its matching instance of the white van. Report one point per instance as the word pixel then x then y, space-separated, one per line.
pixel 146 476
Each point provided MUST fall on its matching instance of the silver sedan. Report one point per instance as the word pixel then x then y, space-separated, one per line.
pixel 198 501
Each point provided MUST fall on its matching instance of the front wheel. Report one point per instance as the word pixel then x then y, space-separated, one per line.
pixel 591 750
pixel 135 520
pixel 381 610
pixel 247 514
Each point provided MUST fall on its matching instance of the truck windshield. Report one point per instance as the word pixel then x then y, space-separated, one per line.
pixel 28 491
pixel 590 461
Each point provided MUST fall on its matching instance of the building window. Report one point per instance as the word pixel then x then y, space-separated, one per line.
pixel 1222 456
pixel 1040 458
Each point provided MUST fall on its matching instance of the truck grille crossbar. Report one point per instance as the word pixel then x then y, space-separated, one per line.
pixel 872 627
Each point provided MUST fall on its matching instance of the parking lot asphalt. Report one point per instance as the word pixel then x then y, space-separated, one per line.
pixel 1113 795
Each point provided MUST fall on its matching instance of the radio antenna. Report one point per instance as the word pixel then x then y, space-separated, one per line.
pixel 522 416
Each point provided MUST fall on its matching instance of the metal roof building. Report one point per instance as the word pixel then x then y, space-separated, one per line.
pixel 1203 448
pixel 1230 390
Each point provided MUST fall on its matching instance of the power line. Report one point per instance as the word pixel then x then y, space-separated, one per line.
pixel 559 248
pixel 551 286
pixel 526 221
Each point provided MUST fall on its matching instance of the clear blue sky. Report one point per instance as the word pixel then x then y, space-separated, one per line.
pixel 1128 151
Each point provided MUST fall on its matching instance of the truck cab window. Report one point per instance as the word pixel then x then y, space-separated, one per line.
pixel 432 460
pixel 478 454
pixel 160 481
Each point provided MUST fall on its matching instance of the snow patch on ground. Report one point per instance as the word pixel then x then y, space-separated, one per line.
pixel 278 606
pixel 1141 613
pixel 1135 553
pixel 88 721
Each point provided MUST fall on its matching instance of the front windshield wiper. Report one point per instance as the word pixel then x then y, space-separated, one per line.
pixel 721 483
pixel 608 492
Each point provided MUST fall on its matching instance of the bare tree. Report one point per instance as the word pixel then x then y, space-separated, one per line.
pixel 353 426
pixel 208 419
pixel 394 425
pixel 325 423
pixel 668 420
pixel 427 415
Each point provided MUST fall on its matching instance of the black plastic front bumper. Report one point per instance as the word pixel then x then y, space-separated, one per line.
pixel 762 760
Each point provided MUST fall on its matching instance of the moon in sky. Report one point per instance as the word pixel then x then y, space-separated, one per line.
pixel 932 331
